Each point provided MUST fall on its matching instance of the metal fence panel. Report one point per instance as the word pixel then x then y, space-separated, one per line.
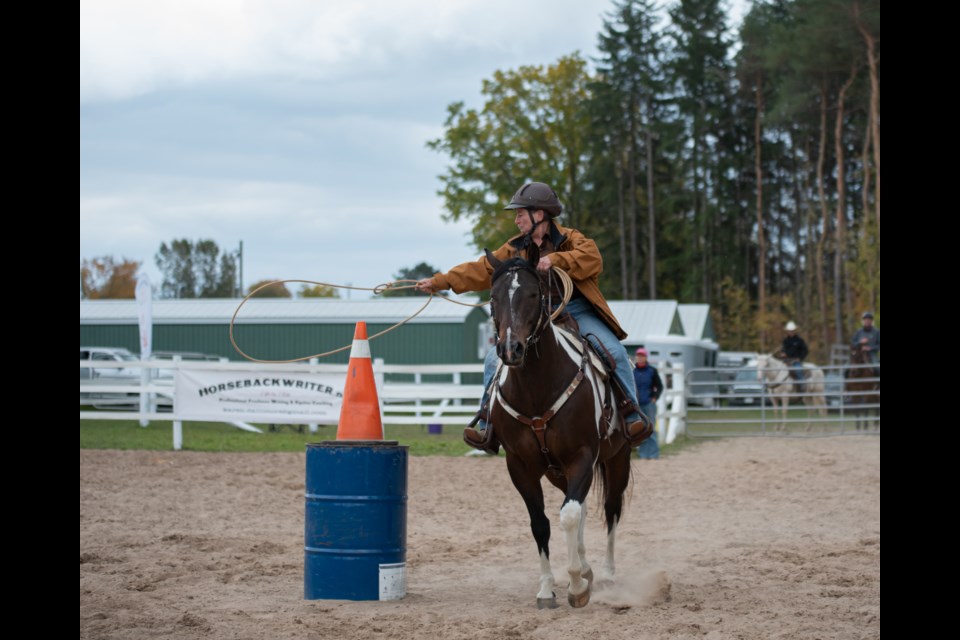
pixel 748 403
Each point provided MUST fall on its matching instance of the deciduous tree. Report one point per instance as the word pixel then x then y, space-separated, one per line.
pixel 106 277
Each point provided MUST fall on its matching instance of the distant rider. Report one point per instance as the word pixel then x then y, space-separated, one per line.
pixel 794 351
pixel 867 338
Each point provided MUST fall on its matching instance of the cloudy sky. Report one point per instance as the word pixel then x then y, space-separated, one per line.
pixel 296 126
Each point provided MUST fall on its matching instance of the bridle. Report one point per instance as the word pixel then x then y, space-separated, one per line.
pixel 777 380
pixel 542 317
pixel 538 423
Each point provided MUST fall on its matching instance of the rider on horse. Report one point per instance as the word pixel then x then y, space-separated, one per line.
pixel 536 206
pixel 793 352
pixel 867 338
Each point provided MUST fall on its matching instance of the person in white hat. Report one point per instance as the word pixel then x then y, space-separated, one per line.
pixel 794 350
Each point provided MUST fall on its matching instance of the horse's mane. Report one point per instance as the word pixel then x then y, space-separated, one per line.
pixel 510 265
pixel 858 355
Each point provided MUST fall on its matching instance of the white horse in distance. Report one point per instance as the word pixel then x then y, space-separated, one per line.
pixel 775 375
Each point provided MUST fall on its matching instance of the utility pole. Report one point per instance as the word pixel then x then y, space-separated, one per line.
pixel 240 271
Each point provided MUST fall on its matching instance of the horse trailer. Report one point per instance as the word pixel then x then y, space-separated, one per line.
pixel 695 355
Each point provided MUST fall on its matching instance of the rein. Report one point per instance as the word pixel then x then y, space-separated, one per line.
pixel 777 381
pixel 538 424
pixel 567 290
pixel 545 303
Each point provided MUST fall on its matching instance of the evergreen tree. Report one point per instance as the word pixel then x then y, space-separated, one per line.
pixel 750 183
pixel 625 110
pixel 701 76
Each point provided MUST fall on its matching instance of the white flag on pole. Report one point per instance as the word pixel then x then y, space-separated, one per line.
pixel 144 295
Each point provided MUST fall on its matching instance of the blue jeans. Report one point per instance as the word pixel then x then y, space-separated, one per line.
pixel 797 369
pixel 582 311
pixel 650 448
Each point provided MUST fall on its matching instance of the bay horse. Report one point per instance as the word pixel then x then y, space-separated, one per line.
pixel 548 409
pixel 775 373
pixel 862 385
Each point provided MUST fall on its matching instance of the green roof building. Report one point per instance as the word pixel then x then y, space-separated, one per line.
pixel 272 329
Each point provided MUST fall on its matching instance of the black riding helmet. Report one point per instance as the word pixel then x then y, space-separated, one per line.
pixel 536 195
pixel 533 196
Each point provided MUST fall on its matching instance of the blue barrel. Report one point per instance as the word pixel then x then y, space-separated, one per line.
pixel 355 531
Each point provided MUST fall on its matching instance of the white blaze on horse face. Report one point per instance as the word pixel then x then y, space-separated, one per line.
pixel 514 285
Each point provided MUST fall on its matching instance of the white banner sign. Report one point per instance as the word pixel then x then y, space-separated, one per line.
pixel 259 396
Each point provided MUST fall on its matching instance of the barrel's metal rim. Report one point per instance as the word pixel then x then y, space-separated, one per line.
pixel 358 443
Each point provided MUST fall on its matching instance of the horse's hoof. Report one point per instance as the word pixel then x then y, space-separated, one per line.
pixel 579 601
pixel 547 603
pixel 588 576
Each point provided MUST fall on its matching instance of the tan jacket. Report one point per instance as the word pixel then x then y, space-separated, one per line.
pixel 577 255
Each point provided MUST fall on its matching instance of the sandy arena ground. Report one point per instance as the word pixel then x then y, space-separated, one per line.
pixel 743 538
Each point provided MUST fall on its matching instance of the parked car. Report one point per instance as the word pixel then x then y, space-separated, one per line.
pixel 108 354
pixel 108 376
pixel 747 390
pixel 728 363
pixel 833 389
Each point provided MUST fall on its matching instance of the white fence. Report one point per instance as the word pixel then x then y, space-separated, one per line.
pixel 147 391
pixel 409 394
pixel 671 405
pixel 437 394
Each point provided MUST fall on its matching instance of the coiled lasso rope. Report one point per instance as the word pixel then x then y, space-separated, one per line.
pixel 379 289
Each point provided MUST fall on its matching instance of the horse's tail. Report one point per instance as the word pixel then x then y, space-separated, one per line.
pixel 601 488
pixel 601 485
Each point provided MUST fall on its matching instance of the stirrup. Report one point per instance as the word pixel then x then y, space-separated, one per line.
pixel 482 440
pixel 636 438
pixel 484 415
pixel 644 432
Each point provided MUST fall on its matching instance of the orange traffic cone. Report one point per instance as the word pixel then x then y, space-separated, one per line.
pixel 360 413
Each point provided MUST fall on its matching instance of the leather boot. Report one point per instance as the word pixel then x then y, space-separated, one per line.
pixel 479 435
pixel 638 430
